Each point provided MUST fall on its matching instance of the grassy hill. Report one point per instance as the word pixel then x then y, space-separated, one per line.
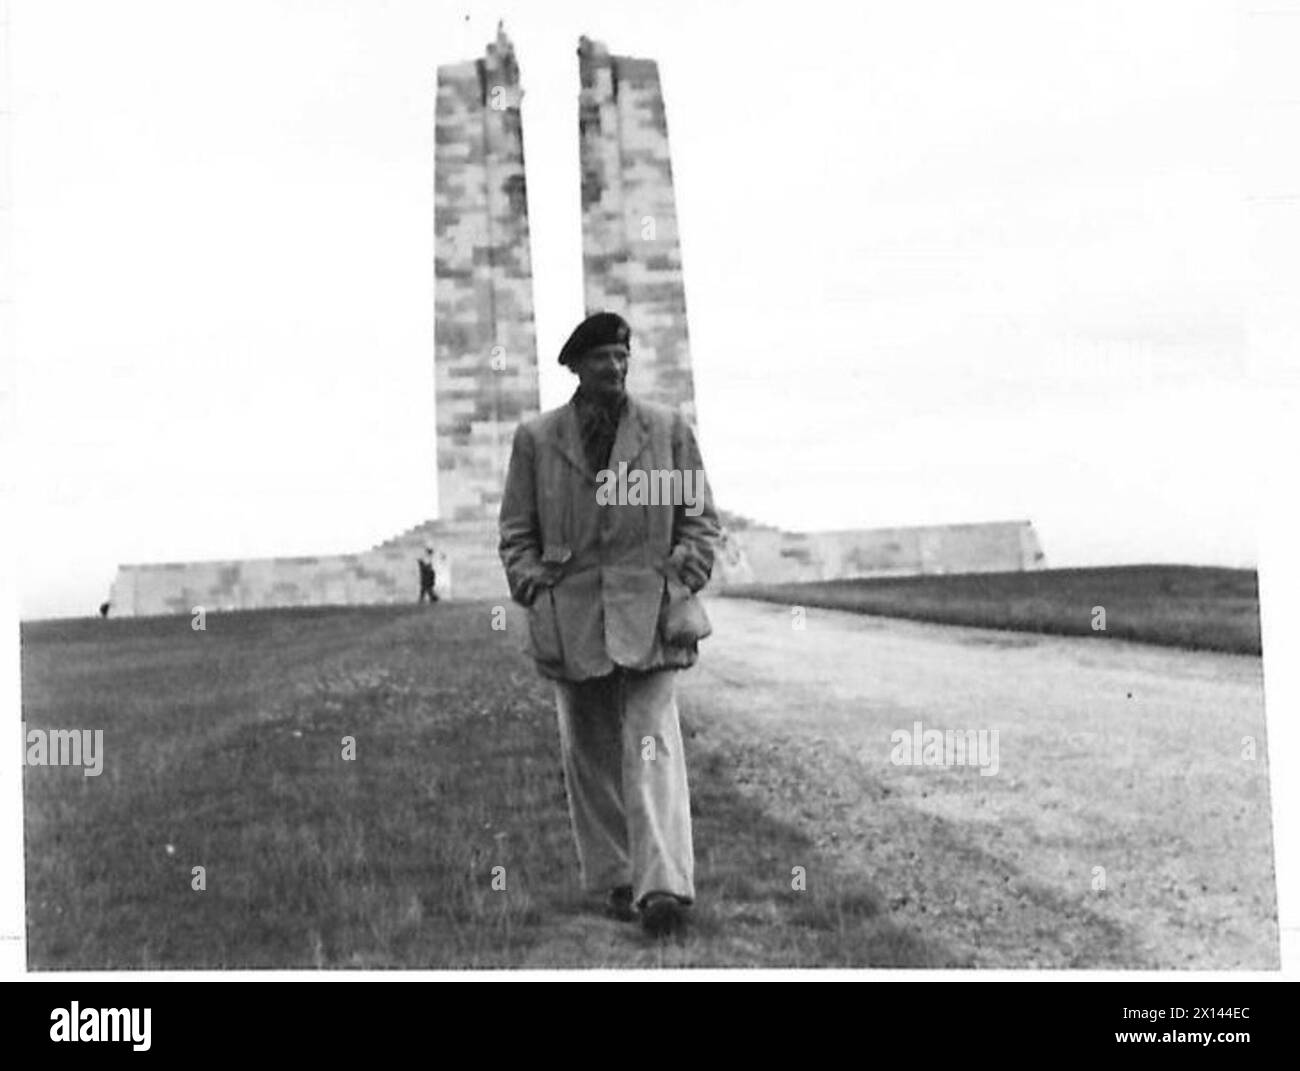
pixel 1178 605
pixel 223 748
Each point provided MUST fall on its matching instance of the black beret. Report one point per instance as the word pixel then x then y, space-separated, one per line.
pixel 598 329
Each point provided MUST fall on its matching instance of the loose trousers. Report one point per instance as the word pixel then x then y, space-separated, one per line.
pixel 625 774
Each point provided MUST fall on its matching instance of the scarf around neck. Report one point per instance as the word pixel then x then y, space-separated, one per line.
pixel 598 426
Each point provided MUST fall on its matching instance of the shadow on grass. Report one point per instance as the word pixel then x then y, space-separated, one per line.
pixel 947 879
pixel 763 885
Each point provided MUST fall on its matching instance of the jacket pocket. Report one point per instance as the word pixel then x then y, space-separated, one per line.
pixel 544 629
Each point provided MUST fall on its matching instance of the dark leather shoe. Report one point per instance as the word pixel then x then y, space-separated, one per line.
pixel 618 904
pixel 662 914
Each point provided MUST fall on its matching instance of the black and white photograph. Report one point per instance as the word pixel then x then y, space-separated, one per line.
pixel 674 490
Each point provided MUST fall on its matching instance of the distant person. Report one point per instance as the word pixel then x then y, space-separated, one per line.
pixel 103 609
pixel 612 614
pixel 427 576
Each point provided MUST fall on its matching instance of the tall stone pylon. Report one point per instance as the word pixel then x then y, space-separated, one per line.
pixel 632 261
pixel 485 346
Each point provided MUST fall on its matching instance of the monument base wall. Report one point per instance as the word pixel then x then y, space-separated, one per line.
pixel 468 566
pixel 465 558
pixel 760 554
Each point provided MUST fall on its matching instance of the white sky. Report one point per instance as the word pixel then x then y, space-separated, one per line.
pixel 944 262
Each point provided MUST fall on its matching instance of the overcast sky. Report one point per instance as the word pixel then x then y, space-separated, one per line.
pixel 944 263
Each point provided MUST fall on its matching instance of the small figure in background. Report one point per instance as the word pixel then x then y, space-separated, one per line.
pixel 427 575
pixel 103 609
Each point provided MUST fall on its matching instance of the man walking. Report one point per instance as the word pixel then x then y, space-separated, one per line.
pixel 428 575
pixel 612 615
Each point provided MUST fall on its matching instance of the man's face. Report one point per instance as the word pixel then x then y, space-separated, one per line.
pixel 602 371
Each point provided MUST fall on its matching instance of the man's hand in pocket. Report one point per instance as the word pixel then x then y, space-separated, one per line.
pixel 530 587
pixel 689 570
pixel 534 584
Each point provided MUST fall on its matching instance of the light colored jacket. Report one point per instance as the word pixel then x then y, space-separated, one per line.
pixel 606 568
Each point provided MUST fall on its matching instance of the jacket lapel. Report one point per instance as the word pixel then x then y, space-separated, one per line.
pixel 630 439
pixel 568 442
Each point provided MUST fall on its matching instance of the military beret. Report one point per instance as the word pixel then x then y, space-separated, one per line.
pixel 598 329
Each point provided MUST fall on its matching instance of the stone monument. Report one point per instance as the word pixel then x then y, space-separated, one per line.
pixel 485 362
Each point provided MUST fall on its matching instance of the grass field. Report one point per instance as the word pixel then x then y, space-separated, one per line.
pixel 1177 605
pixel 223 749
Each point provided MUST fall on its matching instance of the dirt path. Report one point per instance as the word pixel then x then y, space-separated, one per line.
pixel 1116 762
